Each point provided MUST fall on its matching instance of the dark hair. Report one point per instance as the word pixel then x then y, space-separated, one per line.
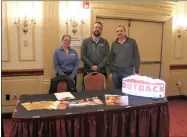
pixel 122 27
pixel 99 23
pixel 66 35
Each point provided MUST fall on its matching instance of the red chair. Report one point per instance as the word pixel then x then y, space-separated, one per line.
pixel 94 82
pixel 62 86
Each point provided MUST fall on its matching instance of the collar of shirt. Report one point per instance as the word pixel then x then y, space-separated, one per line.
pixel 61 48
pixel 99 39
pixel 95 39
pixel 123 40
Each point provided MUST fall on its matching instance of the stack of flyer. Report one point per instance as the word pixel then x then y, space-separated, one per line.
pixel 38 105
pixel 85 102
pixel 45 105
pixel 78 103
pixel 94 101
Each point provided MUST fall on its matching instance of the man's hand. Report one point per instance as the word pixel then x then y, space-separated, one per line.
pixel 94 68
pixel 110 76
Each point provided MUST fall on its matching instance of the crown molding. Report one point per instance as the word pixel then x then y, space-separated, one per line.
pixel 157 5
pixel 166 6
pixel 110 10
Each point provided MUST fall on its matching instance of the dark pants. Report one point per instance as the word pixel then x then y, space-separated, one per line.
pixel 68 74
pixel 117 78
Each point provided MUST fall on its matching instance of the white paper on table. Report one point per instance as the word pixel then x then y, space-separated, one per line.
pixel 64 96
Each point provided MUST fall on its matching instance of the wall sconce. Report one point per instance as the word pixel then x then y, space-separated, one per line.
pixel 75 24
pixel 180 30
pixel 181 25
pixel 24 23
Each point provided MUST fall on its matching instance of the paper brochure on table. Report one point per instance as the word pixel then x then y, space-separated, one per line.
pixel 64 96
pixel 116 100
pixel 85 102
pixel 78 103
pixel 94 101
pixel 38 105
pixel 143 86
pixel 61 105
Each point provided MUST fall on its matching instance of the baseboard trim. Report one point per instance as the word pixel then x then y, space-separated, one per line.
pixel 177 97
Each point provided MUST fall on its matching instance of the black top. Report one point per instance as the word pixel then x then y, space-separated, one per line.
pixel 134 101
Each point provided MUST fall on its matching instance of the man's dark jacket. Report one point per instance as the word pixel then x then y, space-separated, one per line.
pixel 95 53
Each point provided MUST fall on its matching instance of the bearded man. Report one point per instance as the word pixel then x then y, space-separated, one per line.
pixel 95 51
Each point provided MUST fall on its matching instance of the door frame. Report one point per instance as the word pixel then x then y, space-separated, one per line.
pixel 167 33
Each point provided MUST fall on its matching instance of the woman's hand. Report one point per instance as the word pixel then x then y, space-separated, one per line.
pixel 110 77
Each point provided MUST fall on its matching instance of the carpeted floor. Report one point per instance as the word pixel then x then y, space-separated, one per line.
pixel 7 127
pixel 178 119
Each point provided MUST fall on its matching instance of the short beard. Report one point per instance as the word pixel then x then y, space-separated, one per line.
pixel 96 35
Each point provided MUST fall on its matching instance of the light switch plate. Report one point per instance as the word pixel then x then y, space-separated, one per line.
pixel 25 42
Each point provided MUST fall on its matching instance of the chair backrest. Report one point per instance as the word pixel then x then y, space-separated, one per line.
pixel 58 84
pixel 94 82
pixel 62 86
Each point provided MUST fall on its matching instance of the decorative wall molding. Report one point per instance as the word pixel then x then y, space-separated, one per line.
pixel 150 62
pixel 125 14
pixel 22 72
pixel 30 38
pixel 50 35
pixel 4 4
pixel 178 47
pixel 152 7
pixel 29 72
pixel 178 66
pixel 23 57
pixel 157 5
pixel 153 14
pixel 20 40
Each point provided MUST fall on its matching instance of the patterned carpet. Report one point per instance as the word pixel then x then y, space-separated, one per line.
pixel 178 119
